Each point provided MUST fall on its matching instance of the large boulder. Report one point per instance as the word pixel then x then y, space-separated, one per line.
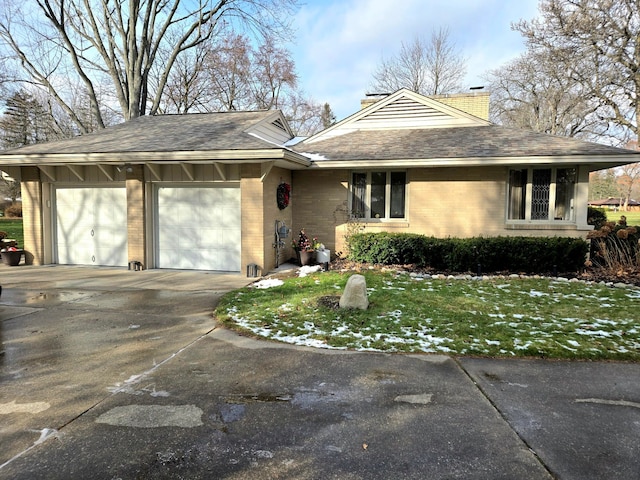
pixel 355 293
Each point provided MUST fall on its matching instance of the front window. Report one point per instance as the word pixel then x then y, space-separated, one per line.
pixel 378 195
pixel 541 194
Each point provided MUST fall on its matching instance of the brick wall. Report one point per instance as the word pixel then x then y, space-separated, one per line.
pixel 319 200
pixel 32 213
pixel 273 213
pixel 252 221
pixel 441 202
pixel 136 219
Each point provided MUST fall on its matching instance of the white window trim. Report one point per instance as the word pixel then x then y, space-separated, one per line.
pixel 552 198
pixel 387 206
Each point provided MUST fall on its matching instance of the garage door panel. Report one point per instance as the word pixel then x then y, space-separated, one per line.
pixel 91 226
pixel 206 223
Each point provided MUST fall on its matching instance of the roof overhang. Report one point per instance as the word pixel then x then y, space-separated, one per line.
pixel 597 162
pixel 283 157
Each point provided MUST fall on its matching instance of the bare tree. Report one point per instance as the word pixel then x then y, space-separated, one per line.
pixel 188 88
pixel 429 68
pixel 627 180
pixel 304 115
pixel 538 93
pixel 599 41
pixel 229 68
pixel 121 41
pixel 274 73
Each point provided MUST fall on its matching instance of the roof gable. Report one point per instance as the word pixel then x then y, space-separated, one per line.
pixel 403 109
pixel 274 129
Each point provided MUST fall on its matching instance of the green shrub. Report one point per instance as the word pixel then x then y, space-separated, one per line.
pixel 596 217
pixel 493 254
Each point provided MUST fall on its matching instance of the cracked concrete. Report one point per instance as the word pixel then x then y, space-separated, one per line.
pixel 140 383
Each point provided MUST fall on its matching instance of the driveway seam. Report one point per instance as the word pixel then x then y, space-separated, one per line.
pixel 53 433
pixel 502 416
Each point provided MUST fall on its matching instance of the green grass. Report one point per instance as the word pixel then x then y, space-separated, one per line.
pixel 13 226
pixel 633 218
pixel 496 317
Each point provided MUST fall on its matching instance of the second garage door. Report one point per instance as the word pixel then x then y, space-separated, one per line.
pixel 198 228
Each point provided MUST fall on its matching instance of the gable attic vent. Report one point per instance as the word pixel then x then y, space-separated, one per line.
pixel 278 123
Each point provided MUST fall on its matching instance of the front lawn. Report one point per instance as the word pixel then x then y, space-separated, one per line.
pixel 553 318
pixel 13 227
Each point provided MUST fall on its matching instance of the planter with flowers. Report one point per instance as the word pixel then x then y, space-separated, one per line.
pixel 305 248
pixel 11 255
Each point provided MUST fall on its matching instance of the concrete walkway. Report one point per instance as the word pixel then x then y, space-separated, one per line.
pixel 108 374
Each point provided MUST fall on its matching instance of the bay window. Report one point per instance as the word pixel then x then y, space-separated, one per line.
pixel 378 195
pixel 541 194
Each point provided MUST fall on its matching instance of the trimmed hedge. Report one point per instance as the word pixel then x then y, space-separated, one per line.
pixel 494 254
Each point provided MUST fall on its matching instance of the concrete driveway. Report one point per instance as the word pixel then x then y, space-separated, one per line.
pixel 112 374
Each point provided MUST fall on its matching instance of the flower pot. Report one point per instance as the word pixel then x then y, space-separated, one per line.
pixel 12 258
pixel 323 256
pixel 307 257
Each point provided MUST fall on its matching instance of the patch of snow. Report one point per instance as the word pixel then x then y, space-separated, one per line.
pixel 268 283
pixel 307 269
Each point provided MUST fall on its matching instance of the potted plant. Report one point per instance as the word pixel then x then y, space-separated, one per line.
pixel 305 248
pixel 11 256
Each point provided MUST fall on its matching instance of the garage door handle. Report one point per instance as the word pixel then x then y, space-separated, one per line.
pixel 92 232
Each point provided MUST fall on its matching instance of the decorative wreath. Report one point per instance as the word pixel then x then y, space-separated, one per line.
pixel 283 194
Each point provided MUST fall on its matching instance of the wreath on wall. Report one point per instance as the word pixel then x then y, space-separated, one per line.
pixel 283 195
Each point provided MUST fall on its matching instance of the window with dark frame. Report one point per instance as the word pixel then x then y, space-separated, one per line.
pixel 378 195
pixel 541 194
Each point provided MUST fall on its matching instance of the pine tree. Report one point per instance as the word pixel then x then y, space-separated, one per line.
pixel 328 118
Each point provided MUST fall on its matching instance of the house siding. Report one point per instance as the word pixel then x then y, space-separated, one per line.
pixel 441 202
pixel 320 199
pixel 32 212
pixel 136 216
pixel 273 213
pixel 251 199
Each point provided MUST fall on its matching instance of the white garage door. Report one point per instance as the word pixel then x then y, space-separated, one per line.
pixel 91 226
pixel 198 228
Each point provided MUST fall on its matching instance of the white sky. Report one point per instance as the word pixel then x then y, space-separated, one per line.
pixel 339 43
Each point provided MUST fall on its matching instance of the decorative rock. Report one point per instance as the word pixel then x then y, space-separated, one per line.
pixel 355 293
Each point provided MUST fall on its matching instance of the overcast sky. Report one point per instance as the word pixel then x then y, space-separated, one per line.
pixel 339 43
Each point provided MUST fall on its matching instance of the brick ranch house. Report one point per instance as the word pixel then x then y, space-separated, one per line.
pixel 199 191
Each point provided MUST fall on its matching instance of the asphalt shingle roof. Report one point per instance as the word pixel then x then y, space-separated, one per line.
pixel 164 133
pixel 462 142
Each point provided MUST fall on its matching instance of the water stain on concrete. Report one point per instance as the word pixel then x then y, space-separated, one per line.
pixel 13 407
pixel 418 399
pixel 153 416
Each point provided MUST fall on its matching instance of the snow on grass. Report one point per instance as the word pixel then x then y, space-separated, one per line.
pixel 268 283
pixel 505 316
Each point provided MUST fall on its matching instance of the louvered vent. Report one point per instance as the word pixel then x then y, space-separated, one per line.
pixel 404 112
pixel 278 123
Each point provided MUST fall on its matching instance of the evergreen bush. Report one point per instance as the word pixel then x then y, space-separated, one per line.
pixel 596 217
pixel 490 254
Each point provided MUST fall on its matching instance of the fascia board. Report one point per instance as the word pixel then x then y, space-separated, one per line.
pixel 237 156
pixel 479 161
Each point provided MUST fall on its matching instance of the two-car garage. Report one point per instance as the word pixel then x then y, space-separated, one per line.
pixel 194 227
